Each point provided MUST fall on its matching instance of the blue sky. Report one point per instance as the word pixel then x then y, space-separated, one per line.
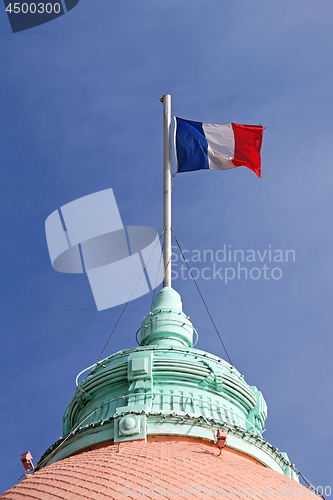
pixel 80 112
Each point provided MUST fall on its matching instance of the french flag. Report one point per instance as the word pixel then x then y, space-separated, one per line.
pixel 219 147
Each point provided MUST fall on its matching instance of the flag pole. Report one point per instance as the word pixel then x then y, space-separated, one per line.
pixel 166 100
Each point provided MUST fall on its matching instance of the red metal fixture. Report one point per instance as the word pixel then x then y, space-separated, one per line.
pixel 221 439
pixel 26 459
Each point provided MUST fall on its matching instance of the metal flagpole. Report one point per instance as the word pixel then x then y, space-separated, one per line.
pixel 166 100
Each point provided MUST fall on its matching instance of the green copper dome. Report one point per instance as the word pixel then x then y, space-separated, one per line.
pixel 166 387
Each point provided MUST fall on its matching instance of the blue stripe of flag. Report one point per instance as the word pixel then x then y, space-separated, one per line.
pixel 191 146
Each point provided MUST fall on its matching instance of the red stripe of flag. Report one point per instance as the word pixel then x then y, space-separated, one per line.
pixel 248 140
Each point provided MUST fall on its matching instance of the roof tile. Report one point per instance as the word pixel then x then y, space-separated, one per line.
pixel 157 468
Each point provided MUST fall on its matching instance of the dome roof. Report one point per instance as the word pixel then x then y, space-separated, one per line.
pixel 166 387
pixel 150 416
pixel 143 469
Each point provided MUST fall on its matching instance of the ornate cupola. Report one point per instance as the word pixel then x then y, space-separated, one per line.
pixel 150 421
pixel 166 387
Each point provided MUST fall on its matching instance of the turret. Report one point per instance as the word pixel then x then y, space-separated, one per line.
pixel 166 387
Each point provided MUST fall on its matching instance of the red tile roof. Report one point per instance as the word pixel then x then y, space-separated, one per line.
pixel 160 468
